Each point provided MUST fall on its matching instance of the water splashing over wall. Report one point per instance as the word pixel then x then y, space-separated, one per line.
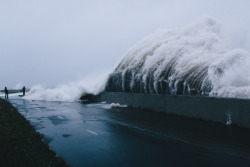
pixel 193 60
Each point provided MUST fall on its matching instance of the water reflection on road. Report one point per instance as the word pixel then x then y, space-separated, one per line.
pixel 98 135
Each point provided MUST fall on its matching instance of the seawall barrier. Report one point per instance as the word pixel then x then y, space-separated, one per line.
pixel 221 110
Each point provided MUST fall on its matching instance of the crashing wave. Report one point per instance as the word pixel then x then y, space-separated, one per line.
pixel 68 92
pixel 193 60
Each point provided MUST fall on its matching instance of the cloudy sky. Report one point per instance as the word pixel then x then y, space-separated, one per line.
pixel 52 42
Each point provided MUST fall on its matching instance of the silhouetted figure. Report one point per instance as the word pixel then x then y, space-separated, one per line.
pixel 6 93
pixel 24 89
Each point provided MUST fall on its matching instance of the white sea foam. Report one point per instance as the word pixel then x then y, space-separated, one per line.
pixel 68 92
pixel 117 105
pixel 194 57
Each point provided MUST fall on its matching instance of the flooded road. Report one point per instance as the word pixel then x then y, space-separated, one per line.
pixel 96 134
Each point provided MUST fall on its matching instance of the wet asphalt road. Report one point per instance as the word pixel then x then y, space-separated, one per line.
pixel 98 135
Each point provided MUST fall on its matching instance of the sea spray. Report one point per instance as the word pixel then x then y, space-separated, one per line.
pixel 192 60
pixel 68 92
pixel 229 119
pixel 117 105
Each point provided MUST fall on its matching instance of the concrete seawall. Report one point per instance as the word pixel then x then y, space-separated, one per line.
pixel 222 110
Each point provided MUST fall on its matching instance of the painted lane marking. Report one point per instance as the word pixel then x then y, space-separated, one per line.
pixel 92 132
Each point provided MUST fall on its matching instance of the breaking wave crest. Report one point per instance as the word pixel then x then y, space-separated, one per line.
pixel 193 60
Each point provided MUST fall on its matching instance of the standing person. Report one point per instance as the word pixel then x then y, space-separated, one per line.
pixel 6 93
pixel 24 89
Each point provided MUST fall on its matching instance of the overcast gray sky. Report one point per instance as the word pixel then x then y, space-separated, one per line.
pixel 53 42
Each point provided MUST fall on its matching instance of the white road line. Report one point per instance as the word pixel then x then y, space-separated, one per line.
pixel 92 132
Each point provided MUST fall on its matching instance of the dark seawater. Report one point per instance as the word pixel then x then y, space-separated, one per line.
pixel 95 134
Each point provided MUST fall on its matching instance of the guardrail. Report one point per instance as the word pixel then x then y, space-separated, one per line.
pixel 13 90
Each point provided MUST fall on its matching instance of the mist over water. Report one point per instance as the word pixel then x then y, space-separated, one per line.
pixel 193 60
pixel 197 59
